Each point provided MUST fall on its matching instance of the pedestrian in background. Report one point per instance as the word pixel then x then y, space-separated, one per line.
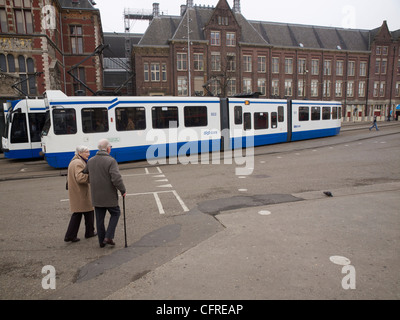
pixel 375 125
pixel 80 202
pixel 105 181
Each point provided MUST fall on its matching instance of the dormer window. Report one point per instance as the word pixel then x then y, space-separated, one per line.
pixel 223 21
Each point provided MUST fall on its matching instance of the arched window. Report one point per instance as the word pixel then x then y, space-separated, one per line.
pixel 11 63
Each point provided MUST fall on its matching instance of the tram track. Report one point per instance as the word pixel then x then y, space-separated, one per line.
pixel 46 172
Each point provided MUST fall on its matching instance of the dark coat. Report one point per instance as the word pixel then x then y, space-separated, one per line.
pixel 105 180
pixel 78 186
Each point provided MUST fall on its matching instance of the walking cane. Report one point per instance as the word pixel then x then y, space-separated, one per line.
pixel 123 202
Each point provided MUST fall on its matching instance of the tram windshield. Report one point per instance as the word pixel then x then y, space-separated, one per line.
pixel 47 124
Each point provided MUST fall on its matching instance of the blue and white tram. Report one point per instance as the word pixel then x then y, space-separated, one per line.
pixel 157 127
pixel 23 127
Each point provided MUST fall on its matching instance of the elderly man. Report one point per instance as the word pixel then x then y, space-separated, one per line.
pixel 105 182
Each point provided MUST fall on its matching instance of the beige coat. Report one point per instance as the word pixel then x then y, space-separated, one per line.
pixel 78 186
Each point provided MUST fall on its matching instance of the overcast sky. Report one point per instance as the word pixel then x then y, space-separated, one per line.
pixel 358 14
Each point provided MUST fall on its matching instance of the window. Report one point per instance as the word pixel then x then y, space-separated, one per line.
pixel 384 66
pixel 262 86
pixel 288 66
pixel 64 121
pixel 315 113
pixel 338 88
pixel 327 67
pixel 339 67
pixel 288 88
pixel 94 120
pixel 155 72
pixel 247 121
pixel 36 123
pixel 281 114
pixel 231 87
pixel 351 69
pixel 165 117
pixel 361 89
pixel 215 61
pixel 19 131
pixel 195 117
pixel 76 39
pixel 326 113
pixel 247 86
pixel 198 62
pixel 363 69
pixel 3 20
pixel 315 67
pixel 146 72
pixel 275 87
pixel 382 89
pixel 274 120
pixel 164 71
pixel 275 65
pixel 23 16
pixel 238 115
pixel 260 120
pixel 314 88
pixel 376 88
pixel 300 88
pixel 79 88
pixel 327 88
pixel 130 119
pixel 26 75
pixel 334 113
pixel 231 39
pixel 304 113
pixel 198 86
pixel 397 89
pixel 262 64
pixel 182 86
pixel 247 65
pixel 350 89
pixel 182 62
pixel 377 66
pixel 231 60
pixel 302 66
pixel 215 38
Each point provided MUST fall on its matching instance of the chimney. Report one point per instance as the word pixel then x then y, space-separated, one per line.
pixel 156 10
pixel 189 3
pixel 236 6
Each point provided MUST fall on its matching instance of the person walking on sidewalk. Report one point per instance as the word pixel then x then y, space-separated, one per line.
pixel 375 125
pixel 105 181
pixel 79 196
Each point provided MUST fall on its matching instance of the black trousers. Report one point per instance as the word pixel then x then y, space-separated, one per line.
pixel 75 222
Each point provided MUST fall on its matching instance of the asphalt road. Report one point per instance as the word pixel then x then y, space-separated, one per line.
pixel 207 231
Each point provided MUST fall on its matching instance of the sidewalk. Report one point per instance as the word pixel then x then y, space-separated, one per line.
pixel 287 251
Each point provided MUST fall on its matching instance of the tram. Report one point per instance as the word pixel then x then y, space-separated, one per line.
pixel 24 120
pixel 158 127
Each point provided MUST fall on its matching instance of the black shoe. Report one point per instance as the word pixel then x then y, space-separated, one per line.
pixel 72 240
pixel 94 234
pixel 109 241
pixel 102 245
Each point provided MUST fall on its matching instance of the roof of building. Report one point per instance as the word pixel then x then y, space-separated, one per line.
pixel 117 43
pixel 78 4
pixel 163 29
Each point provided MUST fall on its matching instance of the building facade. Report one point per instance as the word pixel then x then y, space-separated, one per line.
pixel 217 51
pixel 47 45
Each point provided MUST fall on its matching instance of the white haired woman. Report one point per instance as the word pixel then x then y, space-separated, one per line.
pixel 79 196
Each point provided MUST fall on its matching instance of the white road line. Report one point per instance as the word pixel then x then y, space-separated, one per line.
pixel 186 209
pixel 159 204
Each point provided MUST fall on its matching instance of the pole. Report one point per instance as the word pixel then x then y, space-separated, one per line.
pixel 123 202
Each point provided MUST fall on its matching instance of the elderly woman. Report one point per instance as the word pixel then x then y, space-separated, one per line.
pixel 79 196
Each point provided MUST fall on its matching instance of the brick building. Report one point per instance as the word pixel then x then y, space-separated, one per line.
pixel 42 40
pixel 230 54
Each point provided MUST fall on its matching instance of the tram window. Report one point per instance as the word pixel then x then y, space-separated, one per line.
pixel 340 112
pixel 64 121
pixel 260 120
pixel 274 120
pixel 130 119
pixel 19 132
pixel 36 123
pixel 94 120
pixel 238 115
pixel 304 113
pixel 162 116
pixel 315 113
pixel 247 121
pixel 326 113
pixel 196 116
pixel 334 113
pixel 281 114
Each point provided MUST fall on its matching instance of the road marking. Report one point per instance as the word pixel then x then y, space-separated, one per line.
pixel 342 261
pixel 165 186
pixel 264 213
